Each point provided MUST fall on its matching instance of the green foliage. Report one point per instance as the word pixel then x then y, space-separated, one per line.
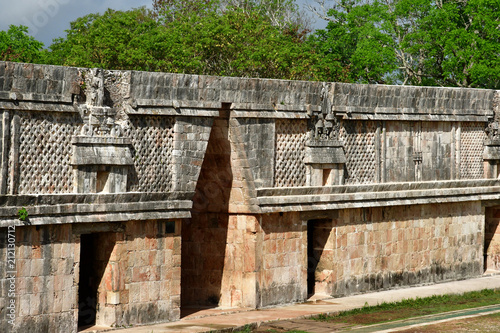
pixel 233 42
pixel 22 214
pixel 415 307
pixel 280 13
pixel 16 45
pixel 109 40
pixel 420 42
pixel 355 39
pixel 245 329
pixel 460 43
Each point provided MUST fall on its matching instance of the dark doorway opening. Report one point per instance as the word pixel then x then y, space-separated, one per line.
pixel 87 287
pixel 95 250
pixel 491 257
pixel 312 263
pixel 319 259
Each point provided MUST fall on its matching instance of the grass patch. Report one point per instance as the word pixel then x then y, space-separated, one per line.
pixel 408 308
pixel 245 329
pixel 277 331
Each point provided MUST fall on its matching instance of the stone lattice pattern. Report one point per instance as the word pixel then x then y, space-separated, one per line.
pixel 153 142
pixel 290 169
pixel 45 151
pixel 471 150
pixel 359 142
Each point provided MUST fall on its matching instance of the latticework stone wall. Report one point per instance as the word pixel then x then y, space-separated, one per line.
pixel 472 137
pixel 290 169
pixel 360 151
pixel 45 152
pixel 152 142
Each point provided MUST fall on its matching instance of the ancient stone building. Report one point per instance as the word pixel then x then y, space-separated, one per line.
pixel 126 197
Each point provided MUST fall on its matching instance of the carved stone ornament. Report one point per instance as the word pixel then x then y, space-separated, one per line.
pixel 491 151
pixel 101 156
pixel 324 146
pixel 326 126
pixel 492 131
pixel 98 119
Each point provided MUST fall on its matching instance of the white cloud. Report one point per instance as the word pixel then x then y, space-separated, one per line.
pixel 47 19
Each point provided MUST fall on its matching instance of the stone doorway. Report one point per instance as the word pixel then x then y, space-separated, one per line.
pixel 492 240
pixel 204 236
pixel 95 251
pixel 319 256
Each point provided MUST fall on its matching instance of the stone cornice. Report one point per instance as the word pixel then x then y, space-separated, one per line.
pixel 376 195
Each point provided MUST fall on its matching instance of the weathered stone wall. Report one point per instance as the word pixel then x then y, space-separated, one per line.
pixel 492 239
pixel 372 186
pixel 283 259
pixel 137 271
pixel 370 249
pixel 205 234
pixel 46 283
pixel 147 273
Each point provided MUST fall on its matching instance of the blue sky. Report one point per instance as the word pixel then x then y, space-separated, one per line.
pixel 47 19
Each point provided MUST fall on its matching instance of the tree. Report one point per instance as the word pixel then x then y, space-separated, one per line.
pixel 109 40
pixel 238 43
pixel 419 42
pixel 281 13
pixel 231 42
pixel 459 44
pixel 356 39
pixel 17 45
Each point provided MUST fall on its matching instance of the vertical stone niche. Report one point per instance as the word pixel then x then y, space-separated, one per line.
pixel 101 164
pixel 491 155
pixel 326 160
pixel 491 159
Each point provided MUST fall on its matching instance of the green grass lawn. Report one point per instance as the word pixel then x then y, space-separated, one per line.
pixel 413 308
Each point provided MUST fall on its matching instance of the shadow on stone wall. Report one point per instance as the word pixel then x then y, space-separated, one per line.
pixel 204 235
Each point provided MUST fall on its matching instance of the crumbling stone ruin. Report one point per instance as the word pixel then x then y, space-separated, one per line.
pixel 127 196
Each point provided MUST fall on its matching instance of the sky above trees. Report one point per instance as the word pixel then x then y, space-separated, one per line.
pixel 47 19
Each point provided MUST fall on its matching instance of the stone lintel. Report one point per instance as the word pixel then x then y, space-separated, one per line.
pixel 321 155
pixel 38 106
pixel 491 153
pixel 170 111
pixel 101 151
pixel 402 116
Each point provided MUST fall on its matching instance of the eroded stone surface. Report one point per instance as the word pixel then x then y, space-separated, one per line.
pixel 280 188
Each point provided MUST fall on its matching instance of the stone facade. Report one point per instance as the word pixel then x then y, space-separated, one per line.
pixel 151 194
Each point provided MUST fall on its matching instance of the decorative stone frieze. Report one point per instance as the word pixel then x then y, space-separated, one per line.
pixel 491 153
pixel 101 156
pixel 324 151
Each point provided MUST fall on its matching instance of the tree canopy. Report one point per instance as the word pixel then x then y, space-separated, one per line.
pixel 17 45
pixel 417 42
pixel 232 41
